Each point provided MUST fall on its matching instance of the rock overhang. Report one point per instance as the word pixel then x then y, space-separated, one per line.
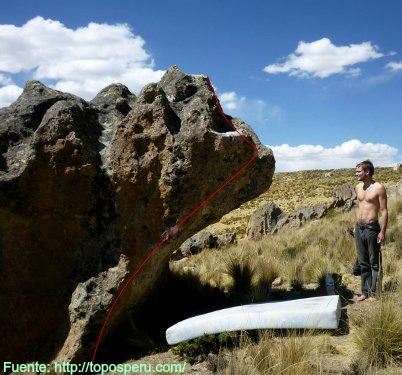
pixel 162 153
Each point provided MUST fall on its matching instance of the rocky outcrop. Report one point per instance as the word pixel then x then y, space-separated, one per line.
pixel 269 218
pixel 201 241
pixel 299 217
pixel 87 190
pixel 344 196
pixel 112 103
pixel 397 167
pixel 263 221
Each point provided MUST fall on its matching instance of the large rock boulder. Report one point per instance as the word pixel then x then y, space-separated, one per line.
pixel 87 190
pixel 201 241
pixel 298 218
pixel 344 196
pixel 263 221
pixel 269 219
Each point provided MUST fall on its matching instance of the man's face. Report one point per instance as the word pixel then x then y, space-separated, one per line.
pixel 360 174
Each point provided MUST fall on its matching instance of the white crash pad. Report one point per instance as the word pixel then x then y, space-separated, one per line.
pixel 316 312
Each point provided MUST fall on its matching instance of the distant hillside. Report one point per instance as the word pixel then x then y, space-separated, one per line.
pixel 292 190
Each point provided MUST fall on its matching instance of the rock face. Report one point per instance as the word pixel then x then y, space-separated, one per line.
pixel 201 241
pixel 263 221
pixel 299 217
pixel 269 218
pixel 344 196
pixel 88 189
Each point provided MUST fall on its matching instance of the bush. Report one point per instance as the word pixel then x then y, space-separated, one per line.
pixel 198 349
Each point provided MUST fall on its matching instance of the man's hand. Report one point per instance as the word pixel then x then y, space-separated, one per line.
pixel 381 237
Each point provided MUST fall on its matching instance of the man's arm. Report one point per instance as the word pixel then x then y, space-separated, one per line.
pixel 356 211
pixel 382 198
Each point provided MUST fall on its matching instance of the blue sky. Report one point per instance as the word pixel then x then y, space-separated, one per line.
pixel 319 81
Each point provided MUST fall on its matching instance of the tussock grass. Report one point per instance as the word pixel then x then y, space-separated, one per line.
pixel 316 266
pixel 395 210
pixel 394 230
pixel 299 256
pixel 378 335
pixel 292 354
pixel 295 274
pixel 241 269
pixel 390 261
pixel 265 274
pixel 302 258
pixel 252 274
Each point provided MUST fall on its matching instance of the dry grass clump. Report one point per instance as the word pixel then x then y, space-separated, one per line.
pixel 295 275
pixel 298 256
pixel 310 253
pixel 251 274
pixel 394 230
pixel 316 266
pixel 241 270
pixel 292 354
pixel 390 260
pixel 265 274
pixel 377 335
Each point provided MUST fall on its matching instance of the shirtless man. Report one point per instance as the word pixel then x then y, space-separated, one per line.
pixel 369 230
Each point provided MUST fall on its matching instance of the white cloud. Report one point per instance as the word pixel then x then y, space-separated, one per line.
pixel 9 94
pixel 321 59
pixel 230 100
pixel 394 65
pixel 82 60
pixel 253 111
pixel 346 155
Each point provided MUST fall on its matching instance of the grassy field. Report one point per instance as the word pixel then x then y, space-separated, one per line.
pixel 293 264
pixel 293 190
pixel 287 265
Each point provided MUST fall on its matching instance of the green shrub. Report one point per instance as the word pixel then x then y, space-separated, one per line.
pixel 198 349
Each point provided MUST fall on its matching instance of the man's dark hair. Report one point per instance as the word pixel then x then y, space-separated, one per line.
pixel 367 166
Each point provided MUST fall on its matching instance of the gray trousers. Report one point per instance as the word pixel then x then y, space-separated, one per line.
pixel 368 253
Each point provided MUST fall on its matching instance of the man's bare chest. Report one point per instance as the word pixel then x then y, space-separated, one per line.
pixel 369 196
